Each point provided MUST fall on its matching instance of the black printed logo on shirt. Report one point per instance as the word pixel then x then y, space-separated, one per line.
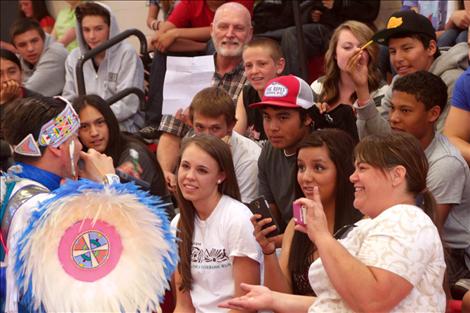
pixel 208 256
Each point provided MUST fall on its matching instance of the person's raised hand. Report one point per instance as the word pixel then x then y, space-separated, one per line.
pixel 357 67
pixel 267 245
pixel 359 72
pixel 9 90
pixel 461 18
pixel 95 165
pixel 316 224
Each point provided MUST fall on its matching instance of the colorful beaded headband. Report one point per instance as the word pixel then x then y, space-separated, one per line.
pixel 53 133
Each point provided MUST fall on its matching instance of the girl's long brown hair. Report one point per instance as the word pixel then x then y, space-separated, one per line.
pixel 330 92
pixel 221 153
pixel 340 146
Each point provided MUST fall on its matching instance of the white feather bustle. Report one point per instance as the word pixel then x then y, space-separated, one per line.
pixel 133 285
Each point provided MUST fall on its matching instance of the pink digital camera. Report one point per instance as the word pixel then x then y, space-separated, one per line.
pixel 300 214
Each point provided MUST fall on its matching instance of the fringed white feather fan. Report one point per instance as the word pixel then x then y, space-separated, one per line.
pixel 96 249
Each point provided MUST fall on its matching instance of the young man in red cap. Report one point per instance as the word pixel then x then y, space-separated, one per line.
pixel 286 107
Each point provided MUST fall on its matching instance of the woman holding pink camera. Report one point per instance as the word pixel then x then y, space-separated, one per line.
pixel 324 159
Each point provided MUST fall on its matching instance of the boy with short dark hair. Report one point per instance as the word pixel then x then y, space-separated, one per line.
pixel 42 59
pixel 110 71
pixel 263 60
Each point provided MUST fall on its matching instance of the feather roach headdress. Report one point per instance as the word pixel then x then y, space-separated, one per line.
pixel 96 248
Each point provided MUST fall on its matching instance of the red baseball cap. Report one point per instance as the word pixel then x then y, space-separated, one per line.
pixel 288 92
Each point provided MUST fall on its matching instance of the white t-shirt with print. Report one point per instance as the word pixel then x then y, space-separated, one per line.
pixel 225 234
pixel 402 240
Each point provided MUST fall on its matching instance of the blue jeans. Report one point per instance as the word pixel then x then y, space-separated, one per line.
pixel 452 36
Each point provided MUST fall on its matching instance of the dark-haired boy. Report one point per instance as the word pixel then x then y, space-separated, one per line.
pixel 286 107
pixel 416 104
pixel 411 41
pixel 42 59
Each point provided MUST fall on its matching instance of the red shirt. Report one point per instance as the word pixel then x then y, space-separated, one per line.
pixel 47 21
pixel 196 13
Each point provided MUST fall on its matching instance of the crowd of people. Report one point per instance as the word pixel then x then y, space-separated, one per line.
pixel 363 172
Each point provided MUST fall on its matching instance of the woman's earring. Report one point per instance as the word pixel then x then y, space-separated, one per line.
pixel 219 182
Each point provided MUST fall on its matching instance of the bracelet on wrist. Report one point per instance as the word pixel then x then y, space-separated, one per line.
pixel 110 179
pixel 363 102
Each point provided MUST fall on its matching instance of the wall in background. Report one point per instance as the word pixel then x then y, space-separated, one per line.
pixel 129 13
pixel 9 13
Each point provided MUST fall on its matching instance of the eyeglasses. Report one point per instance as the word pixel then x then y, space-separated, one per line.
pixel 343 231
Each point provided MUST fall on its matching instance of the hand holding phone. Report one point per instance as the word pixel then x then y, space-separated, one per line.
pixel 260 206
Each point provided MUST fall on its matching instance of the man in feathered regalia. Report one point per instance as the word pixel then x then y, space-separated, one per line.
pixel 71 245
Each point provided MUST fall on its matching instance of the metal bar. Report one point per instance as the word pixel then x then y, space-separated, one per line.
pixel 124 93
pixel 300 39
pixel 105 45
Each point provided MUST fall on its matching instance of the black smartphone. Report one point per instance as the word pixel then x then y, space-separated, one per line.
pixel 260 206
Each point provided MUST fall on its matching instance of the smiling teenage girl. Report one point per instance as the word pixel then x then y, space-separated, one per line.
pixel 217 250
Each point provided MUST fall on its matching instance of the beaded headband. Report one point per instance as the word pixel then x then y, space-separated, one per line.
pixel 53 133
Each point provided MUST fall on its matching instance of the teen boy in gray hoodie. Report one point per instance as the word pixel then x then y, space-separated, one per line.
pixel 109 72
